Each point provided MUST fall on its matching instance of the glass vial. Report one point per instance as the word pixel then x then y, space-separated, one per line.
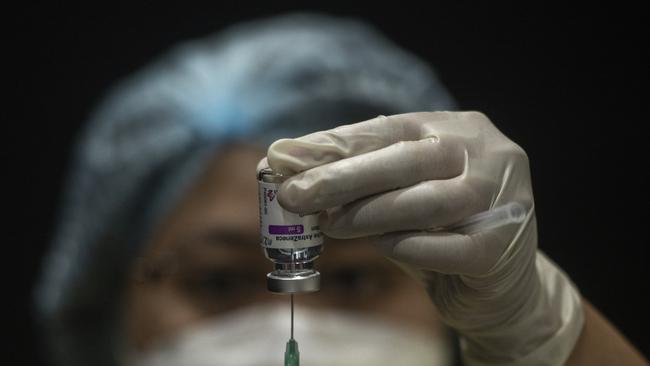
pixel 291 241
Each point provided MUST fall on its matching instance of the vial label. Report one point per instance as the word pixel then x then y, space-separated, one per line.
pixel 281 229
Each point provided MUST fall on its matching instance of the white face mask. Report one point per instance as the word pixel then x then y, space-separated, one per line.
pixel 257 336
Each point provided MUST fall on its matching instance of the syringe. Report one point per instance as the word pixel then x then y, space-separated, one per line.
pixel 510 213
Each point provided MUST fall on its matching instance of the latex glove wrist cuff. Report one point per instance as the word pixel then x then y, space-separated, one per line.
pixel 556 306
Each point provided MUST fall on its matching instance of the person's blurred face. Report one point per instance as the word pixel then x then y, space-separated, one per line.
pixel 205 260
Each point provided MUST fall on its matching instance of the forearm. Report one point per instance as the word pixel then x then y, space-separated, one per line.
pixel 600 343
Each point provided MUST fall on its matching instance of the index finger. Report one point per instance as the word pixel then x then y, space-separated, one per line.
pixel 291 156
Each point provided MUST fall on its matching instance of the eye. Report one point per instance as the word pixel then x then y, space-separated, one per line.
pixel 224 284
pixel 354 281
pixel 221 282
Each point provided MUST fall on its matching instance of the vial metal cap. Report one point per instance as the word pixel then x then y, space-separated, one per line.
pixel 286 282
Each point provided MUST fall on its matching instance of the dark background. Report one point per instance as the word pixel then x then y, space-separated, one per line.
pixel 566 84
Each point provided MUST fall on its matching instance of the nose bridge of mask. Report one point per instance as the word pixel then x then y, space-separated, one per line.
pixel 339 338
pixel 242 325
pixel 256 336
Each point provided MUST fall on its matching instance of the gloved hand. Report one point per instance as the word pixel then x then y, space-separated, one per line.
pixel 394 178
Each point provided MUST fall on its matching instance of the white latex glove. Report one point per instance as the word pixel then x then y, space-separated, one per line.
pixel 393 177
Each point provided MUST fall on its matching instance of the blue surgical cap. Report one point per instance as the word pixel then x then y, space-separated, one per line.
pixel 154 132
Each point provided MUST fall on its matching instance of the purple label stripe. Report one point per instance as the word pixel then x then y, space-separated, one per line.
pixel 286 229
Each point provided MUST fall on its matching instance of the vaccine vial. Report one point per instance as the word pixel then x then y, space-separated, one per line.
pixel 291 241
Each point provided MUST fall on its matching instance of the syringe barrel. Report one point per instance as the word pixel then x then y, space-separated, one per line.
pixel 512 212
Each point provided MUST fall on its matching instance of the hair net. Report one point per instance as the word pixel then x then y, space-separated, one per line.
pixel 150 137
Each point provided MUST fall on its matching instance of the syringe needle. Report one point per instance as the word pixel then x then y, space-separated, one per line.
pixel 291 354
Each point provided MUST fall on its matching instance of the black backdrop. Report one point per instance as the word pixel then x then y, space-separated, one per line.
pixel 566 84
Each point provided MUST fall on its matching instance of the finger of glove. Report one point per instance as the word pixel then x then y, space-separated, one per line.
pixel 291 156
pixel 426 205
pixel 444 252
pixel 399 165
pixel 262 164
